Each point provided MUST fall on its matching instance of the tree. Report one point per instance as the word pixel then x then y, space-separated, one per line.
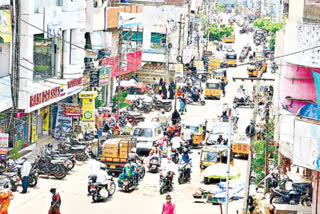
pixel 218 33
pixel 219 8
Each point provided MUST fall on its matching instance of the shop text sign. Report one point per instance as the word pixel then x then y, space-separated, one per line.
pixel 44 96
pixel 4 144
pixel 75 82
pixel 72 111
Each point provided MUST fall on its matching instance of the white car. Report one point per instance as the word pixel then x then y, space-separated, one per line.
pixel 147 134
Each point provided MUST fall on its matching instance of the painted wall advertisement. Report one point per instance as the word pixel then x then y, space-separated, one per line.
pixel 306 147
pixel 5 26
pixel 4 144
pixel 63 124
pixel 88 110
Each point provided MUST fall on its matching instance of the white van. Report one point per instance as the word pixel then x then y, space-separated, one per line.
pixel 147 134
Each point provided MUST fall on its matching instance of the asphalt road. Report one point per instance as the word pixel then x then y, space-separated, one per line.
pixel 146 199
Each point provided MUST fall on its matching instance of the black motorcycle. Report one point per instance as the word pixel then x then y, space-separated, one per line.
pixel 101 192
pixel 184 176
pixel 146 107
pixel 128 184
pixel 159 104
pixel 175 156
pixel 54 168
pixel 243 102
pixel 165 184
pixel 80 151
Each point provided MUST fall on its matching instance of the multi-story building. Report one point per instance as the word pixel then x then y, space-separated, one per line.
pixel 51 63
pixel 299 130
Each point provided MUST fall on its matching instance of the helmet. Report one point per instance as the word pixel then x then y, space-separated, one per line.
pixel 133 150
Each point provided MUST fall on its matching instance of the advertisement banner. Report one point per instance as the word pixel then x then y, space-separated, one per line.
pixel 306 146
pixel 214 64
pixel 88 110
pixel 34 136
pixel 94 78
pixel 86 80
pixel 5 26
pixel 199 65
pixel 72 111
pixel 104 74
pixel 45 114
pixel 63 124
pixel 178 71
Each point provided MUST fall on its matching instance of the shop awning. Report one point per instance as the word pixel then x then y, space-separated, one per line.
pixel 309 110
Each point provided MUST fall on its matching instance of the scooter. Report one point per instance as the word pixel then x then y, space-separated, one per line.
pixel 198 100
pixel 154 165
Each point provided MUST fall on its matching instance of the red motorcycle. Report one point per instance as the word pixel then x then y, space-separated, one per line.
pixel 135 119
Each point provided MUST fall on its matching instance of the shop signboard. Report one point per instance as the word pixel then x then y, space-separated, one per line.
pixel 88 110
pixel 72 111
pixel 199 66
pixel 104 73
pixel 306 144
pixel 4 144
pixel 5 26
pixel 63 123
pixel 178 71
pixel 34 136
pixel 45 114
pixel 94 78
pixel 86 80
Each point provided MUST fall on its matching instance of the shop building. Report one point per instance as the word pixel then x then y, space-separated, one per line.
pixel 51 61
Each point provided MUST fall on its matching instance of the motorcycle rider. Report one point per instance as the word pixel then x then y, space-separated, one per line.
pixel 167 168
pixel 187 135
pixel 154 153
pixel 103 177
pixel 134 168
pixel 185 160
pixel 177 142
pixel 134 156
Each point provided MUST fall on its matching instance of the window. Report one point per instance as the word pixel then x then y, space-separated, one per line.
pixel 142 132
pixel 211 157
pixel 38 4
pixel 43 57
pixel 213 85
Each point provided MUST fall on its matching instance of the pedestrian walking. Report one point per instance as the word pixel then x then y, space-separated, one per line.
pixel 172 88
pixel 223 86
pixel 25 172
pixel 164 91
pixel 160 86
pixel 55 203
pixel 168 207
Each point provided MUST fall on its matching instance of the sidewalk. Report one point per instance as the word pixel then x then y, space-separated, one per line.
pixel 31 151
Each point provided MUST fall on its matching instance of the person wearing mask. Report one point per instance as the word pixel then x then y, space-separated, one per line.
pixel 134 156
pixel 172 88
pixel 5 198
pixel 25 172
pixel 103 177
pixel 187 136
pixel 168 207
pixel 55 203
pixel 175 117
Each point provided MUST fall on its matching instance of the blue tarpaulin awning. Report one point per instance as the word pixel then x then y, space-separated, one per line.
pixel 309 110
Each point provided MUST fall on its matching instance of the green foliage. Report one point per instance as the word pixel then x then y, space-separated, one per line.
pixel 123 96
pixel 14 153
pixel 99 103
pixel 272 42
pixel 259 148
pixel 219 8
pixel 266 24
pixel 218 33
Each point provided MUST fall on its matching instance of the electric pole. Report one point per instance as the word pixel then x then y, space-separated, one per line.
pixel 254 118
pixel 207 42
pixel 179 44
pixel 228 167
pixel 119 67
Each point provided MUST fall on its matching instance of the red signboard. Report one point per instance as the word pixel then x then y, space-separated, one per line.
pixel 133 63
pixel 75 82
pixel 44 96
pixel 72 111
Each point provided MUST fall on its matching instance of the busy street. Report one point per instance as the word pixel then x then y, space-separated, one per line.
pixel 176 106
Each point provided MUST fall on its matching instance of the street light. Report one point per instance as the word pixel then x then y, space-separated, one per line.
pixel 120 62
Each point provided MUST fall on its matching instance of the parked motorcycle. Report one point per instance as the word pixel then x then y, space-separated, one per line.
pixel 184 176
pixel 134 119
pixel 243 102
pixel 54 168
pixel 80 151
pixel 197 100
pixel 159 104
pixel 100 192
pixel 138 104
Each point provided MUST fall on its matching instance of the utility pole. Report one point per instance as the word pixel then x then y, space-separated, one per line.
pixel 179 44
pixel 266 170
pixel 228 167
pixel 207 42
pixel 167 50
pixel 189 21
pixel 119 67
pixel 254 118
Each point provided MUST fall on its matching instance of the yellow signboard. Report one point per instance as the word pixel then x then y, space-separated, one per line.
pixel 88 110
pixel 5 26
pixel 214 64
pixel 45 114
pixel 199 65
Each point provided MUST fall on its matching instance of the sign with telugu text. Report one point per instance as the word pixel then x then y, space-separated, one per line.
pixel 72 111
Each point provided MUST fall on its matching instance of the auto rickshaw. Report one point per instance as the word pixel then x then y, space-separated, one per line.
pixel 198 127
pixel 252 71
pixel 213 89
pixel 219 74
pixel 231 59
pixel 217 154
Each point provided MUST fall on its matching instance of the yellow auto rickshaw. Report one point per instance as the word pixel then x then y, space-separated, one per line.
pixel 252 71
pixel 217 154
pixel 231 59
pixel 213 89
pixel 198 127
pixel 219 74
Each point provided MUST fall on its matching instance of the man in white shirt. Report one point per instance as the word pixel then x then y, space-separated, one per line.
pixel 103 177
pixel 94 167
pixel 167 168
pixel 187 136
pixel 177 142
pixel 25 172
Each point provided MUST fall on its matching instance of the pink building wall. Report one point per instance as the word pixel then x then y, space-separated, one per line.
pixel 297 82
